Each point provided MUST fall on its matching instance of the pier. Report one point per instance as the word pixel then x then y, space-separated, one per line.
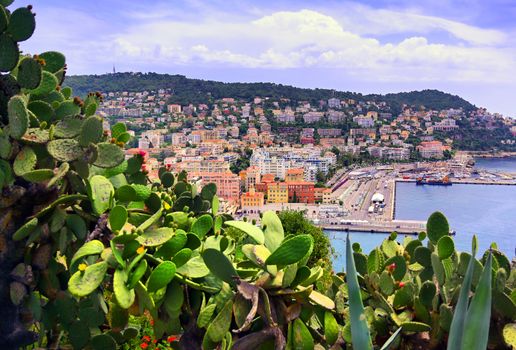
pixel 400 226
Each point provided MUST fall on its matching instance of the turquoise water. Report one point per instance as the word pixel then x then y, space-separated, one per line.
pixel 489 211
pixel 498 164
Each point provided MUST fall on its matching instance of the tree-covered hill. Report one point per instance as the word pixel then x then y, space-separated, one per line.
pixel 188 90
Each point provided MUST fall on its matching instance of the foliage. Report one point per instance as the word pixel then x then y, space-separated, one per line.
pixel 88 241
pixel 295 223
pixel 197 91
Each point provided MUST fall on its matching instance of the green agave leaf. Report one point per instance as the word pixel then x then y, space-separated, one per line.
pixel 251 230
pixel 84 283
pixel 359 329
pixel 291 250
pixel 476 327
pixel 390 342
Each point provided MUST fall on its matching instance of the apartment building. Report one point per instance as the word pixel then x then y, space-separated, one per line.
pixel 252 199
pixel 228 184
pixel 431 149
pixel 277 192
pixel 293 175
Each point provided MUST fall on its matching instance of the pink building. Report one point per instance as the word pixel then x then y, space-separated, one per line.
pixel 228 184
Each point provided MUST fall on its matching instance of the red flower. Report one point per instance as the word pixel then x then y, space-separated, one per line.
pixel 142 153
pixel 151 322
pixel 401 284
pixel 391 267
pixel 146 338
pixel 171 338
pixel 144 345
pixel 154 341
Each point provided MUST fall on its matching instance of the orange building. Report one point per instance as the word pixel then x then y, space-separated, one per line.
pixel 252 199
pixel 264 184
pixel 301 192
pixel 297 174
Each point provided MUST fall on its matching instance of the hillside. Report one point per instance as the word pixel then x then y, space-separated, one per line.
pixel 188 90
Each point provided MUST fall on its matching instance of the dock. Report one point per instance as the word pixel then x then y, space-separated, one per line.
pixel 400 226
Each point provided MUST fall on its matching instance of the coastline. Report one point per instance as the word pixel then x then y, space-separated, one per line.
pixel 489 154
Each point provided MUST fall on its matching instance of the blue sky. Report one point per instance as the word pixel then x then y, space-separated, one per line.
pixel 463 47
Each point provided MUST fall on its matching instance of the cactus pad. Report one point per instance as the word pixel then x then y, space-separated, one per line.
pixel 155 237
pixel 445 247
pixel 109 155
pixel 291 250
pixel 101 192
pixel 42 110
pixel 252 231
pixel 509 334
pixel 167 179
pixel 68 128
pixel 84 283
pixel 25 161
pixel 438 268
pixel 202 225
pixel 54 61
pixel 219 265
pixel 21 24
pixel 161 276
pixel 386 283
pixel 427 293
pixel 9 53
pixel 437 226
pixel 4 21
pixel 124 296
pixel 39 175
pixel 36 136
pixel 29 73
pixel 91 131
pixel 67 109
pixel 65 150
pixel 18 117
pixel 422 256
pixel 48 84
pixel 401 267
pixel 415 327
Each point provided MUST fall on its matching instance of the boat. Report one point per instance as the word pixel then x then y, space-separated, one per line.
pixel 443 181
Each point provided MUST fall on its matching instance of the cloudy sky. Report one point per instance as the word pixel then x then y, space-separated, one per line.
pixel 465 47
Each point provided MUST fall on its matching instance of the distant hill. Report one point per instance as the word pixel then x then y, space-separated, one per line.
pixel 195 91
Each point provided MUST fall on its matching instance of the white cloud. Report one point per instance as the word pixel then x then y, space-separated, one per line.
pixel 294 39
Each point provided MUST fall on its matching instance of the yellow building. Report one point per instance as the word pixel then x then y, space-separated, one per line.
pixel 277 192
pixel 252 199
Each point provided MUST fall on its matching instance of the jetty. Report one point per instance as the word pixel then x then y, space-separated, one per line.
pixel 399 226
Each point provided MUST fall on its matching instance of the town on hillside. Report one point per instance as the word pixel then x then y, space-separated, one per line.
pixel 267 153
